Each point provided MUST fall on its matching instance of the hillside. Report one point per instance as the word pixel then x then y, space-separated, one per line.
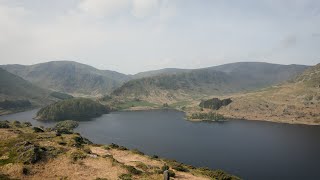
pixel 69 77
pixel 34 153
pixel 14 89
pixel 218 80
pixel 75 109
pixel 297 101
pixel 261 74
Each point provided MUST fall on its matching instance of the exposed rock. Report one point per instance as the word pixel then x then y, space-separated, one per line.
pixel 215 103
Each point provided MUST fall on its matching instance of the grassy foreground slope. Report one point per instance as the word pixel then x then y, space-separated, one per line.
pixel 33 153
pixel 294 102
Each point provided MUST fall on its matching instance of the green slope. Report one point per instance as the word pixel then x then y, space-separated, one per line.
pixel 15 88
pixel 69 77
pixel 75 109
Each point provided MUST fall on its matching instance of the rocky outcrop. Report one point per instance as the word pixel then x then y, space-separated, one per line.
pixel 215 103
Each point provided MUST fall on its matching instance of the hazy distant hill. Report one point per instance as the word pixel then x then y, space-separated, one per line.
pixel 265 73
pixel 166 71
pixel 218 80
pixel 13 87
pixel 297 101
pixel 70 77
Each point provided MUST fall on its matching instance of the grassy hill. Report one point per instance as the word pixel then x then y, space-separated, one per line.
pixel 297 101
pixel 14 89
pixel 75 108
pixel 69 77
pixel 218 80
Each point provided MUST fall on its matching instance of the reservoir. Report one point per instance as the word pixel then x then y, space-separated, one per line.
pixel 248 149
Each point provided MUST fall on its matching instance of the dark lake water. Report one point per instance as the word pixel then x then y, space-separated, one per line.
pixel 249 149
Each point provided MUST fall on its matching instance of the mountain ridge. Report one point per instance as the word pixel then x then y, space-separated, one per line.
pixel 216 80
pixel 70 77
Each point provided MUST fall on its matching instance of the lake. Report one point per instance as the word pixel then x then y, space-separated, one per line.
pixel 249 149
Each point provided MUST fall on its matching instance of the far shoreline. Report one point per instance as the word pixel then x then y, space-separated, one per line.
pixel 228 117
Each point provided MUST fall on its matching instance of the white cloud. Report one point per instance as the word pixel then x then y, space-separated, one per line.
pixel 137 35
pixel 143 8
pixel 102 8
pixel 137 8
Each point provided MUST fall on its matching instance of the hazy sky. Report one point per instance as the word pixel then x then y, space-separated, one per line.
pixel 138 35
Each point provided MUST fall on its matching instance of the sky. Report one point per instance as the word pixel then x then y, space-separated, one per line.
pixel 131 36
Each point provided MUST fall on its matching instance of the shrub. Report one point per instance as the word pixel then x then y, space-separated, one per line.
pixel 4 177
pixel 133 170
pixel 165 105
pixel 63 131
pixel 155 157
pixel 62 143
pixel 25 171
pixel 17 124
pixel 37 130
pixel 136 151
pixel 113 146
pixel 28 153
pixel 142 166
pixel 79 141
pixel 164 167
pixel 125 177
pixel 171 173
pixel 87 150
pixel 180 167
pixel 53 152
pixel 77 155
pixel 27 124
pixel 122 148
pixel 217 174
pixel 4 124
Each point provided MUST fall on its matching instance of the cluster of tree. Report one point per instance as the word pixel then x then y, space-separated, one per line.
pixel 6 104
pixel 207 116
pixel 165 105
pixel 75 108
pixel 215 103
pixel 60 95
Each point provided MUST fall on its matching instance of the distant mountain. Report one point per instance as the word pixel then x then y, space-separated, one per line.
pixel 297 101
pixel 69 77
pixel 166 71
pixel 217 80
pixel 261 74
pixel 13 87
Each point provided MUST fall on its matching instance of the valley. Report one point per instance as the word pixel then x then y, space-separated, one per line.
pixel 209 102
pixel 278 93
